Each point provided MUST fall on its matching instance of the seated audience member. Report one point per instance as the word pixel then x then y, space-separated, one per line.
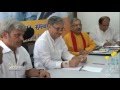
pixel 50 50
pixel 103 34
pixel 78 42
pixel 15 62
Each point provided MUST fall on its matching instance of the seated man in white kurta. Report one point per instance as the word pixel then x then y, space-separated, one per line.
pixel 50 50
pixel 15 61
pixel 103 34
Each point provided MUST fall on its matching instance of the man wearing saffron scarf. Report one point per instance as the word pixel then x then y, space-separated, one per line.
pixel 78 42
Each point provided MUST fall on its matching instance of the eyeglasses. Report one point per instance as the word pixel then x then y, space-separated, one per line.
pixel 58 29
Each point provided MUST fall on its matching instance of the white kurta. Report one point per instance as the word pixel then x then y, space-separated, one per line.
pixel 9 68
pixel 48 53
pixel 101 37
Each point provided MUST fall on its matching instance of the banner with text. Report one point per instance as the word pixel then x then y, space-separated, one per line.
pixel 39 27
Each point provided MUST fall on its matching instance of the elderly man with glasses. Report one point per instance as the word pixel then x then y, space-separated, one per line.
pixel 14 59
pixel 50 50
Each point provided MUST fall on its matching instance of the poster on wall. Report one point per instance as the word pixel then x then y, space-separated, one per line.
pixel 37 20
pixel 39 27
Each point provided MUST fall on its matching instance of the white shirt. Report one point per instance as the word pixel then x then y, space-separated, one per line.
pixel 101 37
pixel 49 53
pixel 9 68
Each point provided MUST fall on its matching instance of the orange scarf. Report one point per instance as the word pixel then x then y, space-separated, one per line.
pixel 75 43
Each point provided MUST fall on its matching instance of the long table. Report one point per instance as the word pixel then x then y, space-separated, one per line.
pixel 91 60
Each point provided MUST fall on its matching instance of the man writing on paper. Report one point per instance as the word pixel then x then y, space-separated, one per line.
pixel 103 34
pixel 15 61
pixel 78 42
pixel 50 50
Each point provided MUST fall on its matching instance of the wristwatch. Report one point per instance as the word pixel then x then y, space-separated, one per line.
pixel 65 64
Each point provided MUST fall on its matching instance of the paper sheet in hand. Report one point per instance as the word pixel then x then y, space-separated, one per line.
pixel 92 69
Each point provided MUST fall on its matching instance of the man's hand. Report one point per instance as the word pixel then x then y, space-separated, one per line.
pixel 83 52
pixel 107 44
pixel 44 74
pixel 1 55
pixel 37 73
pixel 32 72
pixel 77 60
pixel 74 62
pixel 83 58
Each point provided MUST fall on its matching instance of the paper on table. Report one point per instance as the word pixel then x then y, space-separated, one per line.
pixel 72 68
pixel 100 51
pixel 92 69
pixel 86 68
pixel 116 46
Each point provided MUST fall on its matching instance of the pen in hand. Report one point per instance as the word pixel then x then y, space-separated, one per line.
pixel 81 68
pixel 107 43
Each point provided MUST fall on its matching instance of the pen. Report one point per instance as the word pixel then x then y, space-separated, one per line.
pixel 81 68
pixel 98 63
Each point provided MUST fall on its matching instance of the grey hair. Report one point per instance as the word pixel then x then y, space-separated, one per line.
pixel 10 24
pixel 74 19
pixel 55 20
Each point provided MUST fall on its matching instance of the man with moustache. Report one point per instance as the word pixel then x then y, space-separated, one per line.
pixel 78 42
pixel 15 61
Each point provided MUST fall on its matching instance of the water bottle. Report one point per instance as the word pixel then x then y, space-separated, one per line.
pixel 107 68
pixel 118 63
pixel 114 62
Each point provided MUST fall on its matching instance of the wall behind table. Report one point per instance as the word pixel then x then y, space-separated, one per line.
pixel 90 19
